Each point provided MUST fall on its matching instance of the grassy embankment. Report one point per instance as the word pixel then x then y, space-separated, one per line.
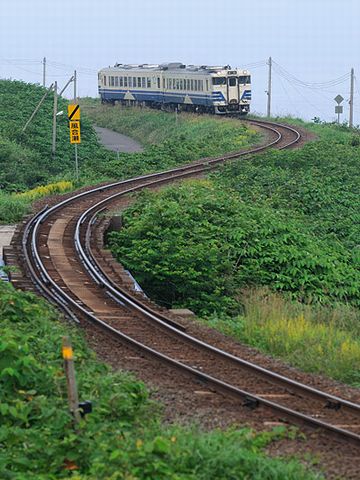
pixel 26 161
pixel 123 438
pixel 266 250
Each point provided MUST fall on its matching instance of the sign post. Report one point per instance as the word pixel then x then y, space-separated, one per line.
pixel 75 131
pixel 339 108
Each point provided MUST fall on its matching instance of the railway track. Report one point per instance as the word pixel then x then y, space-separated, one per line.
pixel 62 256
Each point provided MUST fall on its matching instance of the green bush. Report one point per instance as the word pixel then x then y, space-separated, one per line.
pixel 199 245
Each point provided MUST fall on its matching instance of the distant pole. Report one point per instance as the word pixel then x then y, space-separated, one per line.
pixel 351 102
pixel 269 88
pixel 53 149
pixel 76 150
pixel 75 86
pixel 44 71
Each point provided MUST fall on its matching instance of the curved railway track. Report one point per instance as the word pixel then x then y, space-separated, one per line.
pixel 61 256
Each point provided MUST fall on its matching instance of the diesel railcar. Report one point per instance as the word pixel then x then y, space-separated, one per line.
pixel 170 86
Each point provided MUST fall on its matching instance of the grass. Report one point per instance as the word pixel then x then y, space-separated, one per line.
pixel 123 438
pixel 313 338
pixel 13 206
pixel 153 127
pixel 26 161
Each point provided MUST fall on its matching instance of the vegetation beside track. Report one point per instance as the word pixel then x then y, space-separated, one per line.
pixel 288 221
pixel 123 437
pixel 168 140
pixel 26 160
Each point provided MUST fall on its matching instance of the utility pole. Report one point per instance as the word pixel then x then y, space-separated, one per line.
pixel 351 102
pixel 44 71
pixel 76 151
pixel 53 150
pixel 269 88
pixel 75 86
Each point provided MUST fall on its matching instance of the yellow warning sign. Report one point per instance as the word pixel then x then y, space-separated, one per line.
pixel 75 132
pixel 74 112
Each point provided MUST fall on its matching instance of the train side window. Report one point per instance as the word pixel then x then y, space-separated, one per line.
pixel 195 85
pixel 130 82
pixel 207 85
pixel 148 80
pixel 191 84
pixel 158 82
pixel 125 81
pixel 104 79
pixel 116 81
pixel 232 81
pixel 143 82
pixel 219 80
pixel 134 82
pixel 111 81
pixel 181 83
pixel 121 81
pixel 201 85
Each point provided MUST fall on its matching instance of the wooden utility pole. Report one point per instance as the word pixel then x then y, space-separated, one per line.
pixel 75 86
pixel 269 88
pixel 53 149
pixel 69 368
pixel 44 71
pixel 351 102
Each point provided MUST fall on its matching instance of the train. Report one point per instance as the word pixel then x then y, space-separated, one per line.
pixel 175 86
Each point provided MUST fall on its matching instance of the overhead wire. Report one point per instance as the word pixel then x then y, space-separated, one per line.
pixel 313 85
pixel 288 95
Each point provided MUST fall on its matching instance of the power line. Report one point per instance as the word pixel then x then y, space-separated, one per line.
pixel 288 95
pixel 313 85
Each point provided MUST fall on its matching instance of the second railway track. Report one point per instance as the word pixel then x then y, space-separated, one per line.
pixel 60 254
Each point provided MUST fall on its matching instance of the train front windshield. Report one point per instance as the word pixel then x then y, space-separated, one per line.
pixel 244 79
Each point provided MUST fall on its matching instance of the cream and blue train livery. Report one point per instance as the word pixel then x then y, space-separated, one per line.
pixel 174 85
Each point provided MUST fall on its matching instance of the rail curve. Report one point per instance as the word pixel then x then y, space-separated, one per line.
pixel 58 252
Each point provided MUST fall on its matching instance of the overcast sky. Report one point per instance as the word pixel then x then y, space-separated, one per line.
pixel 316 41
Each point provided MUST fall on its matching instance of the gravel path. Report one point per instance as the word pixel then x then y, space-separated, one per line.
pixel 116 141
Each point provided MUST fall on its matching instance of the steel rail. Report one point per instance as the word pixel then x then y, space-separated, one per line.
pixel 215 383
pixel 218 384
pixel 100 277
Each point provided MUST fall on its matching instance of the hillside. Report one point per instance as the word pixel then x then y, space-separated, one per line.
pixel 26 160
pixel 269 244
